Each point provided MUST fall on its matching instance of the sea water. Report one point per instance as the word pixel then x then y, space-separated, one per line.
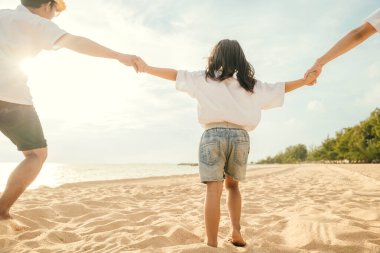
pixel 56 174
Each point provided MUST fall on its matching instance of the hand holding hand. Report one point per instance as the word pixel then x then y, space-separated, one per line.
pixel 141 65
pixel 317 68
pixel 128 60
pixel 311 78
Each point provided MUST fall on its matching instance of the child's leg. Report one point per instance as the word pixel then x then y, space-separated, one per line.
pixel 212 212
pixel 234 208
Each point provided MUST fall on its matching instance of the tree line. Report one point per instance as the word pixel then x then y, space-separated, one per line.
pixel 357 144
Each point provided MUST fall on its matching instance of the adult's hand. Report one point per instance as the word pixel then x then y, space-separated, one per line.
pixel 316 68
pixel 128 60
pixel 311 78
pixel 348 42
pixel 141 65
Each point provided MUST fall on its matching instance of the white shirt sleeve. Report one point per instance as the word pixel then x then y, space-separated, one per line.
pixel 271 95
pixel 374 20
pixel 187 81
pixel 46 33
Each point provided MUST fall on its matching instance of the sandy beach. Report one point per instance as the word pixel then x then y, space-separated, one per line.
pixel 286 208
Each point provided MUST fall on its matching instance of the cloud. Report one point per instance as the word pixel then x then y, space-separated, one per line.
pixel 316 106
pixel 370 99
pixel 374 71
pixel 294 123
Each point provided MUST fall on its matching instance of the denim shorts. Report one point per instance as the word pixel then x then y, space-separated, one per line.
pixel 20 123
pixel 223 151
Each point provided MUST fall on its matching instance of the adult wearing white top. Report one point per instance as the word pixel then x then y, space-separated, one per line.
pixel 25 32
pixel 348 42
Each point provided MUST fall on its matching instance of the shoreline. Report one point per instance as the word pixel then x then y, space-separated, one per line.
pixel 363 169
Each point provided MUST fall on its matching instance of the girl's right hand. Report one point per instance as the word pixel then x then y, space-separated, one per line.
pixel 141 65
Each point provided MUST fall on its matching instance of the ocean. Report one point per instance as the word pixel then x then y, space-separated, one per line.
pixel 56 174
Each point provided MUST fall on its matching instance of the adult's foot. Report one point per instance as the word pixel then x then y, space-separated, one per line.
pixel 7 219
pixel 14 225
pixel 5 216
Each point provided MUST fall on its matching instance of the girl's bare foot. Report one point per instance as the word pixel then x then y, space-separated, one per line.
pixel 211 243
pixel 237 240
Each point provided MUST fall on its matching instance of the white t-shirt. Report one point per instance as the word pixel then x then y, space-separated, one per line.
pixel 22 35
pixel 227 101
pixel 374 20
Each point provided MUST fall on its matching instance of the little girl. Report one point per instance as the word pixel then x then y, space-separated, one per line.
pixel 230 101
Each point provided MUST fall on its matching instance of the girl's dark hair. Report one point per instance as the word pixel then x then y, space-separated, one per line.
pixel 36 3
pixel 226 59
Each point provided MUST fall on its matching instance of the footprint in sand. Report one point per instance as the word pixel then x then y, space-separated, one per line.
pixel 29 235
pixel 12 225
pixel 5 243
pixel 376 241
pixel 364 214
pixel 110 226
pixel 63 237
pixel 71 210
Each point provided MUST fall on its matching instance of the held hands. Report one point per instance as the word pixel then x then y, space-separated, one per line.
pixel 316 68
pixel 165 73
pixel 311 78
pixel 133 61
pixel 141 65
pixel 128 60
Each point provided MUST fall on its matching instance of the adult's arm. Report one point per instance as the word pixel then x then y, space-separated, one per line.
pixel 88 47
pixel 348 42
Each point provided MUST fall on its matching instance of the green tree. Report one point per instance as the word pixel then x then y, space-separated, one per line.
pixel 292 154
pixel 360 143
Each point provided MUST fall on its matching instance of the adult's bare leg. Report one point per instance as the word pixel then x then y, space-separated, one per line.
pixel 22 176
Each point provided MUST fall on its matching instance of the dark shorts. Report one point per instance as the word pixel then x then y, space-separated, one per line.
pixel 20 123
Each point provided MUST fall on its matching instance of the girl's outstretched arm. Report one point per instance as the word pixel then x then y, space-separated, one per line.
pixel 169 74
pixel 309 80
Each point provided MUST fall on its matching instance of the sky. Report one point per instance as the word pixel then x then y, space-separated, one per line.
pixel 99 111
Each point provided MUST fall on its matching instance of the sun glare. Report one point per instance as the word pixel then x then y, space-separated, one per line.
pixel 27 65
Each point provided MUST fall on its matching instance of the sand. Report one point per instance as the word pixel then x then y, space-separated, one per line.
pixel 286 208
